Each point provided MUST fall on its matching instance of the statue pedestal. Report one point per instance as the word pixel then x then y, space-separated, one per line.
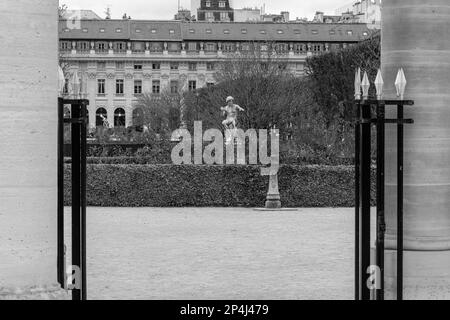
pixel 273 200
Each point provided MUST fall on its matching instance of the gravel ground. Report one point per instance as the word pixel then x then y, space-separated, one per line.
pixel 218 253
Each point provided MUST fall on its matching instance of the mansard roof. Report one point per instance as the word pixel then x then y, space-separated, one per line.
pixel 146 30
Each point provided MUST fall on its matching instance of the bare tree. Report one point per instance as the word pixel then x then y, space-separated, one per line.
pixel 260 82
pixel 161 112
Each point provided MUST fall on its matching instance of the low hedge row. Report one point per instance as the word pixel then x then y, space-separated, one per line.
pixel 215 186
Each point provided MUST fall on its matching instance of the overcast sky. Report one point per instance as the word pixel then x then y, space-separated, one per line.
pixel 166 9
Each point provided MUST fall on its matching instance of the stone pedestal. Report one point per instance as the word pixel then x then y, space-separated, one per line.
pixel 415 38
pixel 273 200
pixel 28 127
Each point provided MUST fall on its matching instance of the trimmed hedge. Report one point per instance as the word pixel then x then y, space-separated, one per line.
pixel 215 186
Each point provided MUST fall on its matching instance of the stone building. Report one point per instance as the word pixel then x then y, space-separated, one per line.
pixel 215 10
pixel 362 11
pixel 247 15
pixel 121 59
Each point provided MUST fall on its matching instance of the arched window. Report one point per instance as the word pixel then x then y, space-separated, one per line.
pixel 119 118
pixel 101 116
pixel 138 117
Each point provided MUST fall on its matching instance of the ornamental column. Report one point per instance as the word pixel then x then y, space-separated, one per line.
pixel 28 144
pixel 415 38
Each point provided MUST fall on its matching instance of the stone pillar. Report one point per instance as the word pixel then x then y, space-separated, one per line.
pixel 415 37
pixel 28 126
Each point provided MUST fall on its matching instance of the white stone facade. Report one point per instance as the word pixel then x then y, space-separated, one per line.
pixel 180 55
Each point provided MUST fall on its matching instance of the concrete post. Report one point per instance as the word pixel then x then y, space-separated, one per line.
pixel 415 37
pixel 28 126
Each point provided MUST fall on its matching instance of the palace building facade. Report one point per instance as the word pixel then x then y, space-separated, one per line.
pixel 119 60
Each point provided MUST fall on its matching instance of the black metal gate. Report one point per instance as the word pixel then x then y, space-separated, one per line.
pixel 78 124
pixel 363 163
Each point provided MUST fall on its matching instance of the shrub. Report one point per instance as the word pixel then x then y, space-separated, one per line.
pixel 215 186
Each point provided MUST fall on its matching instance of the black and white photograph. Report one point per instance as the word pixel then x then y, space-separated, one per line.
pixel 224 154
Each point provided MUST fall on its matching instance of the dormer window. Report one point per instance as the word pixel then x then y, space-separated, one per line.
pixel 118 30
pixel 208 4
pixel 85 30
pixel 349 32
pixel 332 32
pixel 153 31
pixel 226 31
pixel 262 31
pixel 171 31
pixel 244 31
pixel 297 31
pixel 280 31
pixel 221 4
pixel 315 32
pixel 191 31
pixel 365 33
pixel 66 30
pixel 102 30
pixel 209 31
pixel 138 30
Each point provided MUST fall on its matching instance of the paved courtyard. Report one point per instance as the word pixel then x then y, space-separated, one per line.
pixel 219 253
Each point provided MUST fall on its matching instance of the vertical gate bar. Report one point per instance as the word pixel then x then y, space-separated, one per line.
pixel 400 204
pixel 357 161
pixel 83 137
pixel 381 226
pixel 364 219
pixel 76 217
pixel 60 195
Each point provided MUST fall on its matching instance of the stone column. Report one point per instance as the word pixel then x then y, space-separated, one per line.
pixel 415 37
pixel 28 126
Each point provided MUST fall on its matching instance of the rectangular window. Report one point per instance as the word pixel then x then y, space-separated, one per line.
pixel 210 84
pixel 299 48
pixel 228 47
pixel 174 66
pixel 209 15
pixel 138 87
pixel 119 65
pixel 173 86
pixel 138 67
pixel 245 47
pixel 101 86
pixel 174 47
pixel 83 46
pixel 192 85
pixel 65 46
pixel 192 46
pixel 156 66
pixel 101 47
pixel 210 66
pixel 210 47
pixel 101 65
pixel 119 86
pixel 208 4
pixel 138 47
pixel 192 66
pixel 221 4
pixel 120 47
pixel 224 16
pixel 156 47
pixel 156 86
